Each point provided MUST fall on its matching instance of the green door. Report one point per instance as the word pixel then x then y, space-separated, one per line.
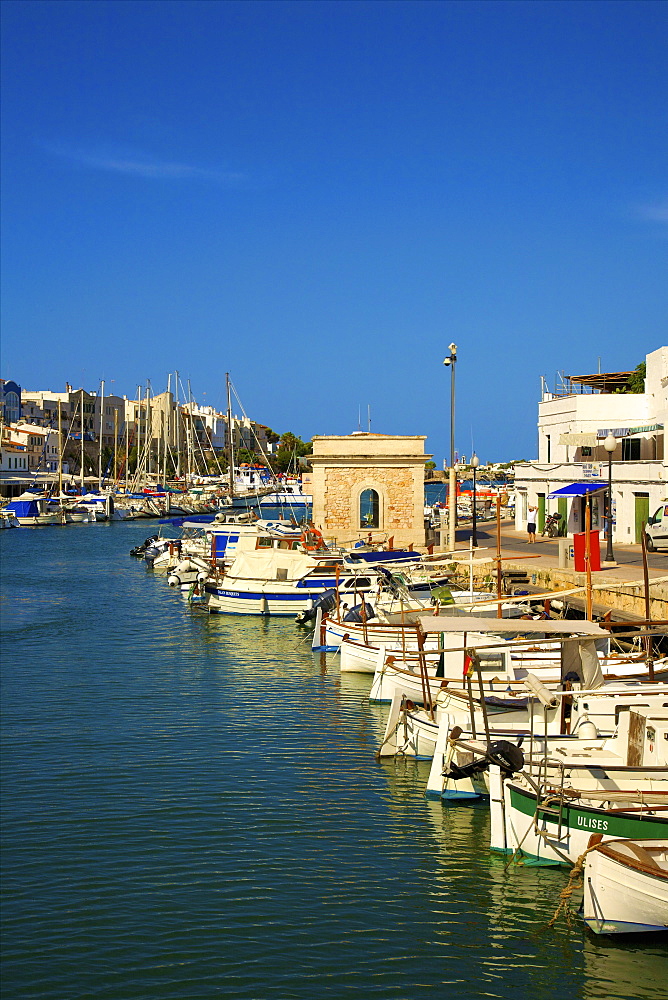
pixel 562 507
pixel 642 513
pixel 540 524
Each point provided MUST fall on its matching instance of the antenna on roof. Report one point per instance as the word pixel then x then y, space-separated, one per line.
pixel 359 417
pixel 368 418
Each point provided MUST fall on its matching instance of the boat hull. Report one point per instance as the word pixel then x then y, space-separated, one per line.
pixel 560 835
pixel 621 897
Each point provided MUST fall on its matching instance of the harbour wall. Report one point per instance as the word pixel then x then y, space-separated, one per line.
pixel 625 598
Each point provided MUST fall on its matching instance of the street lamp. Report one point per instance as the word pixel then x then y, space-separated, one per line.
pixel 609 444
pixel 451 361
pixel 475 462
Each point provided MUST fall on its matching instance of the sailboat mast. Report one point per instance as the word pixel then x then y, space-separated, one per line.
pixel 166 429
pixel 230 441
pixel 139 419
pixel 178 427
pixel 149 429
pixel 99 457
pixel 191 435
pixel 60 450
pixel 115 443
pixel 82 443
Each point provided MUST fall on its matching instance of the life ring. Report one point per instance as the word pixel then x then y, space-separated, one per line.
pixel 307 538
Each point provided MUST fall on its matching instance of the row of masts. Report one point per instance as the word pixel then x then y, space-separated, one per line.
pixel 182 460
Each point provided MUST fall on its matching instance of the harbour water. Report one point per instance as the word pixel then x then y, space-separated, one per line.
pixel 192 809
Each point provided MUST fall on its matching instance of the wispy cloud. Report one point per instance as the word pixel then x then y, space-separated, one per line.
pixel 135 164
pixel 654 213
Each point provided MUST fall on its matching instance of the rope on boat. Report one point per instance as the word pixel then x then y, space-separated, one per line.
pixel 575 881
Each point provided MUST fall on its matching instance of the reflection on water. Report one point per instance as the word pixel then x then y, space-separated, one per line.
pixel 193 808
pixel 627 968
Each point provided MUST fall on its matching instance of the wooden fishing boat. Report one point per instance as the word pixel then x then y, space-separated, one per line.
pixel 626 887
pixel 546 813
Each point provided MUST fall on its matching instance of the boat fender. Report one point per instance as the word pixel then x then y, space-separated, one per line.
pixel 586 730
pixel 201 577
pixel 173 581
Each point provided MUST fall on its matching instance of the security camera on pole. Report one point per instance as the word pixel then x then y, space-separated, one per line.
pixel 452 484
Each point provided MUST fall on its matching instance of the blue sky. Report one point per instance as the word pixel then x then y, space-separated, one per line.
pixel 320 197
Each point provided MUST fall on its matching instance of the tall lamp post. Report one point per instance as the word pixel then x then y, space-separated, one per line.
pixel 609 444
pixel 475 462
pixel 451 361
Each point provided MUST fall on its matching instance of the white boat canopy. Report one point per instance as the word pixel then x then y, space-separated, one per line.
pixel 518 626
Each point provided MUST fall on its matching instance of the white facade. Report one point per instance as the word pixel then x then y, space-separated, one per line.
pixel 41 407
pixel 40 445
pixel 571 430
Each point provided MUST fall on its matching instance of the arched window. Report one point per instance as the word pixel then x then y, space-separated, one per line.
pixel 369 509
pixel 12 407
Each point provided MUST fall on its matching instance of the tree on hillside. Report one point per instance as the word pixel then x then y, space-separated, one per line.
pixel 271 436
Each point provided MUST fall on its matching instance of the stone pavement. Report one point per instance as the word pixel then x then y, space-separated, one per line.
pixel 618 587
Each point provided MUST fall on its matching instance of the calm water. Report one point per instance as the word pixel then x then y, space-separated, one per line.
pixel 192 809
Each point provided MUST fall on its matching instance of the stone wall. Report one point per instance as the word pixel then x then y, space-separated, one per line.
pixel 618 595
pixel 343 468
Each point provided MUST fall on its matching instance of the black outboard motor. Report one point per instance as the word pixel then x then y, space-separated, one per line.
pixel 355 614
pixel 326 602
pixel 139 550
pixel 508 756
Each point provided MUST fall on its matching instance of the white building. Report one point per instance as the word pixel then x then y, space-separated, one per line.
pixel 573 423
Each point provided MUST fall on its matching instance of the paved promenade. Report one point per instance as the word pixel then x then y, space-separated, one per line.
pixel 545 553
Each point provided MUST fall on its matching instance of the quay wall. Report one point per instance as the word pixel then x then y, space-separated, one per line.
pixel 621 596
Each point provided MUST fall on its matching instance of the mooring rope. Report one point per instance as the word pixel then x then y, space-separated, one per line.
pixel 577 873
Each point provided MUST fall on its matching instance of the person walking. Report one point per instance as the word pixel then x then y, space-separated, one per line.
pixel 531 524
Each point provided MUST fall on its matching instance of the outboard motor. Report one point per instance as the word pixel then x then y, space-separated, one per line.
pixel 139 550
pixel 355 614
pixel 326 602
pixel 151 553
pixel 508 756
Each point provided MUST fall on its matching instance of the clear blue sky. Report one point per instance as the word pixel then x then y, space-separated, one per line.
pixel 320 197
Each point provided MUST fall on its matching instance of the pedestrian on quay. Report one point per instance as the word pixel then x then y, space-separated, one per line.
pixel 531 524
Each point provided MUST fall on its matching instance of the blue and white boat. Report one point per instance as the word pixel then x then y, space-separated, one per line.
pixel 283 579
pixel 32 511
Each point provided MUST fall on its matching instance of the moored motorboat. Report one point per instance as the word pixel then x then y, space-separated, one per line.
pixel 33 511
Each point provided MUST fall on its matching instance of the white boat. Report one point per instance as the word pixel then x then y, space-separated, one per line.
pixel 75 514
pixel 283 580
pixel 32 511
pixel 617 787
pixel 626 887
pixel 289 494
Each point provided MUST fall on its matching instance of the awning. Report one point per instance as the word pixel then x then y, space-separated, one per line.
pixel 578 489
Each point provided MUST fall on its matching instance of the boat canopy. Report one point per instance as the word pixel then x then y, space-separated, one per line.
pixel 22 508
pixel 578 490
pixel 518 626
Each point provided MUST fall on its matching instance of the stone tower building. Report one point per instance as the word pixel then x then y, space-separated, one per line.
pixel 365 483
